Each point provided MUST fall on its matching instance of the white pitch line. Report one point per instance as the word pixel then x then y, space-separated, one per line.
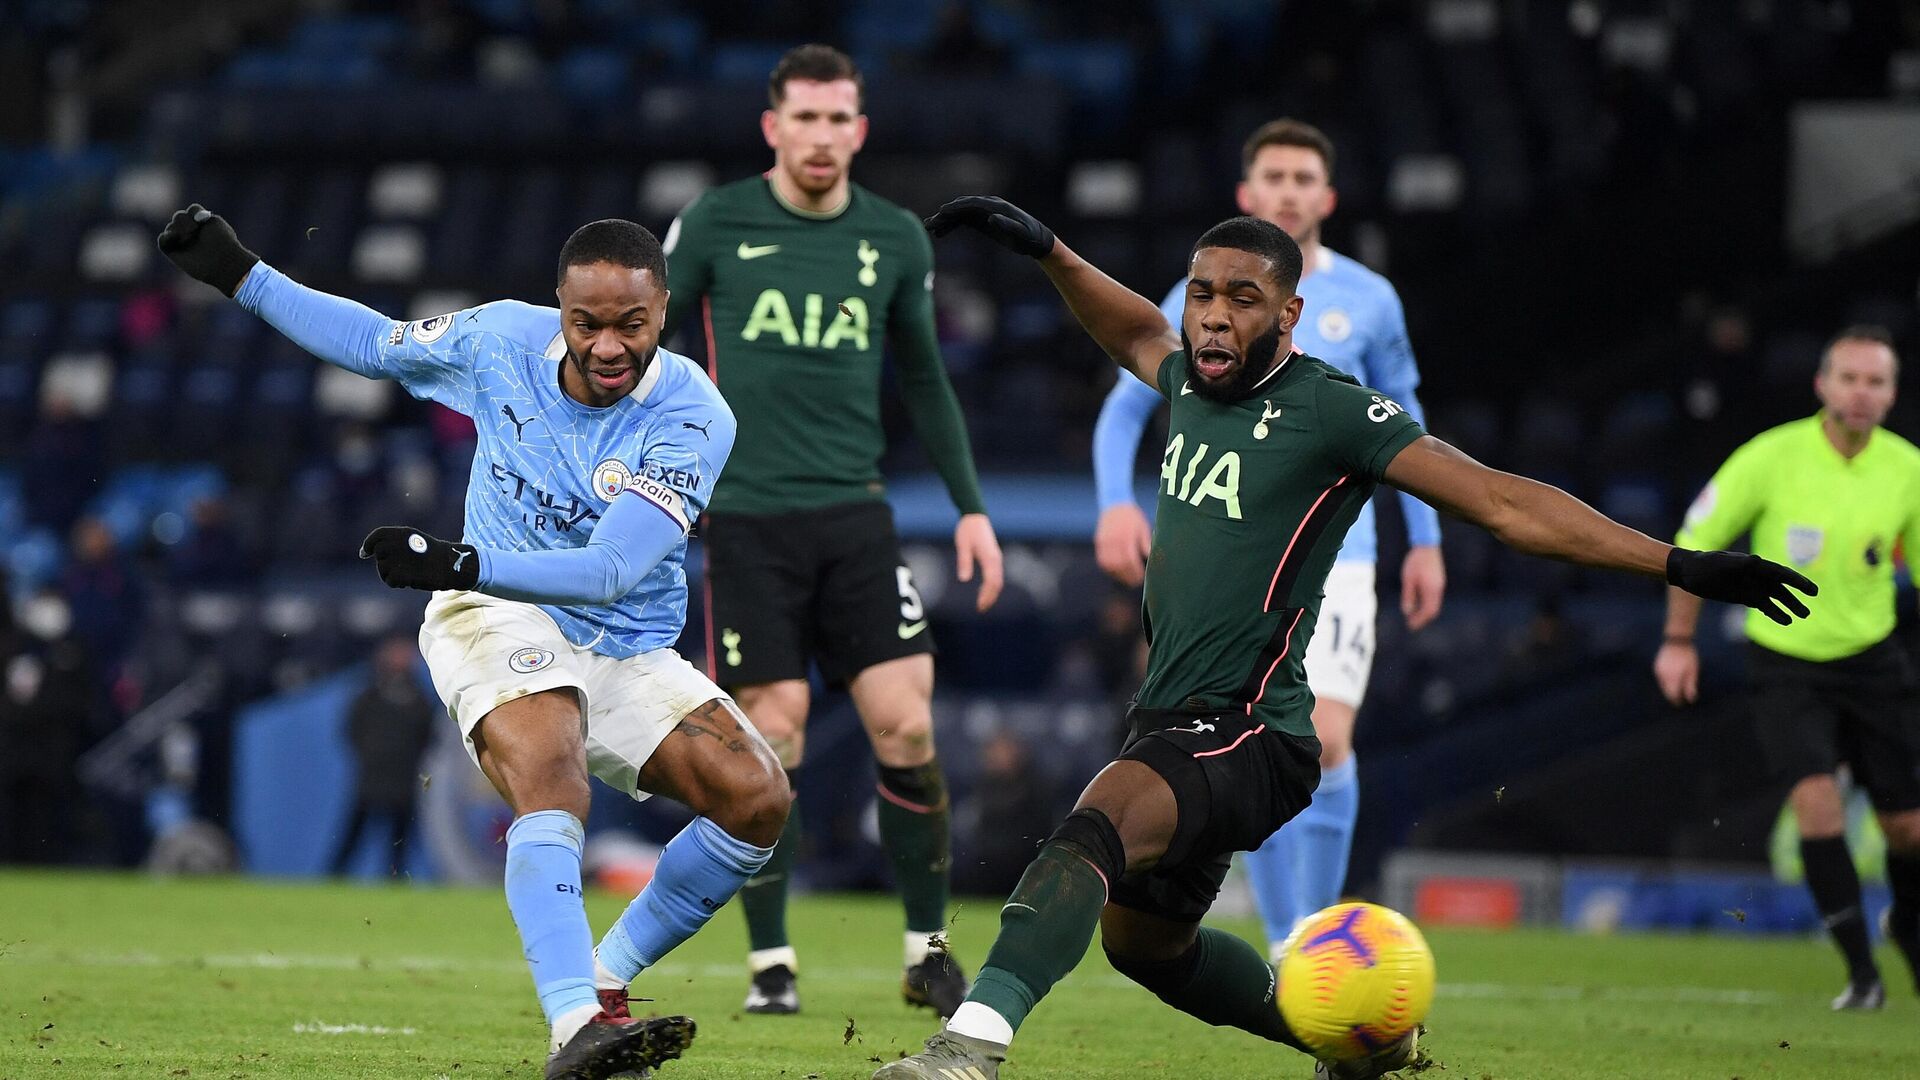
pixel 321 1028
pixel 1688 995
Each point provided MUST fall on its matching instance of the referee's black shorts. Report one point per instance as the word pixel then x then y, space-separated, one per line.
pixel 1863 710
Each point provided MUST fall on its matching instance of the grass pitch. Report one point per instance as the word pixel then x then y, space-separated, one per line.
pixel 127 977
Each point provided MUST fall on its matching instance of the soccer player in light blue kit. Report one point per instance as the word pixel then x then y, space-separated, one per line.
pixel 1352 320
pixel 550 632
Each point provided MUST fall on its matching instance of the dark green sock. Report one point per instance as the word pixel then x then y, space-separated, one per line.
pixel 915 830
pixel 763 898
pixel 1222 980
pixel 1045 928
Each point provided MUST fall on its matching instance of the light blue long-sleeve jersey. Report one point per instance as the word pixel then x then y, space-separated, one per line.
pixel 583 511
pixel 1352 320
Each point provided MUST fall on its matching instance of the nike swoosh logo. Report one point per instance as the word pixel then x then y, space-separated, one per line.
pixel 749 251
pixel 908 630
pixel 1185 389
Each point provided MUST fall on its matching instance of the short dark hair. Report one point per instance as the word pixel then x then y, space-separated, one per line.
pixel 616 241
pixel 1287 131
pixel 1878 335
pixel 1262 238
pixel 814 63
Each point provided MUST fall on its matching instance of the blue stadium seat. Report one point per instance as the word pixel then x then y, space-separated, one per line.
pixel 142 401
pixel 744 61
pixel 594 73
pixel 19 391
pixel 1099 74
pixel 338 36
pixel 33 559
pixel 26 317
pixel 92 322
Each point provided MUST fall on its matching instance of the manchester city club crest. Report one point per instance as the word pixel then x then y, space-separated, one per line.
pixel 611 477
pixel 1335 326
pixel 529 660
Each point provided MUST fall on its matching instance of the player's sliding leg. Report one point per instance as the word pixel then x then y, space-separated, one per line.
pixel 778 710
pixel 1206 973
pixel 718 766
pixel 1127 813
pixel 1902 829
pixel 1835 886
pixel 894 699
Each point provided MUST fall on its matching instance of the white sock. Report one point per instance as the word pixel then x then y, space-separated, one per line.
pixel 604 979
pixel 760 960
pixel 919 944
pixel 976 1021
pixel 569 1023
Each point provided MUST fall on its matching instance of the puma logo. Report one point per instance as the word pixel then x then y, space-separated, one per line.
pixel 1200 727
pixel 519 425
pixel 460 559
pixel 701 428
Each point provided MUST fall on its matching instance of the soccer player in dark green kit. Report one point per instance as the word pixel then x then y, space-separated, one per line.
pixel 800 278
pixel 1269 455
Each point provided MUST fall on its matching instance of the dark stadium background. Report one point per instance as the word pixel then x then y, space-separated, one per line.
pixel 1622 231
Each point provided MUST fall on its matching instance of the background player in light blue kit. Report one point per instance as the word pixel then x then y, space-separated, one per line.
pixel 550 631
pixel 1352 320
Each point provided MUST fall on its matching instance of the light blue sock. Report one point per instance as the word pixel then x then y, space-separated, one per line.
pixel 543 892
pixel 1324 837
pixel 699 871
pixel 1275 884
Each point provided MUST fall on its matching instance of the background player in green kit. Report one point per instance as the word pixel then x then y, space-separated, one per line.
pixel 801 277
pixel 1269 456
pixel 1830 494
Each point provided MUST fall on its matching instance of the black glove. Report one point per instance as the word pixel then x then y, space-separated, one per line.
pixel 201 243
pixel 410 559
pixel 1008 225
pixel 1739 578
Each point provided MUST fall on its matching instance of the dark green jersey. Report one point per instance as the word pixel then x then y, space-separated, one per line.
pixel 797 308
pixel 1254 500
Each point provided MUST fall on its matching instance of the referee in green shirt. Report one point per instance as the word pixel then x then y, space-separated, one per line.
pixel 1831 496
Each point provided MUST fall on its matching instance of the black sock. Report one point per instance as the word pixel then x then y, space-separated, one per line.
pixel 1836 892
pixel 1903 921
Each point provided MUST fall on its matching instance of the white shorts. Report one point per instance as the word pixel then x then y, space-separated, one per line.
pixel 1340 656
pixel 484 652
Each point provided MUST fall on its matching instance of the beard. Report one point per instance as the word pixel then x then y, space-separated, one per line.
pixel 1255 364
pixel 583 365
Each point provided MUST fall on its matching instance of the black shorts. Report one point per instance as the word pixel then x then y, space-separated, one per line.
pixel 826 585
pixel 1235 783
pixel 1863 710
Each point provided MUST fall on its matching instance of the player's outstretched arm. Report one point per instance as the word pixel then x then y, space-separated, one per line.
pixel 1539 519
pixel 631 538
pixel 1123 323
pixel 333 328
